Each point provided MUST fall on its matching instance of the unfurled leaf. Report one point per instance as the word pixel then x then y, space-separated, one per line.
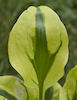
pixel 69 90
pixel 12 88
pixel 38 48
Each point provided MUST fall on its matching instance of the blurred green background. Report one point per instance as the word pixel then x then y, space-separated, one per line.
pixel 10 11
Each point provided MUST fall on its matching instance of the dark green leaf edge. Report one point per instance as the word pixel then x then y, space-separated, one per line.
pixel 7 95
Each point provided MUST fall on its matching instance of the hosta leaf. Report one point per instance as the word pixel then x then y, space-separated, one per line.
pixel 2 98
pixel 69 90
pixel 38 48
pixel 49 93
pixel 7 95
pixel 12 88
pixel 52 93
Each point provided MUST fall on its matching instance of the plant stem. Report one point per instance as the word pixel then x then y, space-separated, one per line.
pixel 41 91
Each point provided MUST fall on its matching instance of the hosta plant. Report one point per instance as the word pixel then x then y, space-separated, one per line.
pixel 69 90
pixel 38 51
